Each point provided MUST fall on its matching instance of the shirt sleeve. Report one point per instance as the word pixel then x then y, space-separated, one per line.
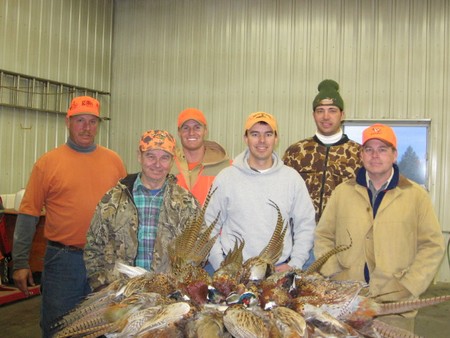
pixel 23 238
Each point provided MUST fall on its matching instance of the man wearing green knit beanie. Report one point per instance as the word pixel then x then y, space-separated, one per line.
pixel 329 96
pixel 329 157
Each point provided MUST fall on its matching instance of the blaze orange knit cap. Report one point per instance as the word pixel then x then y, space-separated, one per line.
pixel 380 132
pixel 191 114
pixel 84 105
pixel 261 117
pixel 157 139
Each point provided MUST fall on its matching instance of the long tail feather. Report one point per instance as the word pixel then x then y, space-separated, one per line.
pixel 317 265
pixel 272 252
pixel 389 331
pixel 409 305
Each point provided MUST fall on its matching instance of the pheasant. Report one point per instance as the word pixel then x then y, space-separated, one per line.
pixel 207 323
pixel 188 252
pixel 290 323
pixel 257 268
pixel 241 322
pixel 228 276
pixel 241 300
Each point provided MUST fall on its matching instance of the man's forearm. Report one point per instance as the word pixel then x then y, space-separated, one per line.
pixel 23 238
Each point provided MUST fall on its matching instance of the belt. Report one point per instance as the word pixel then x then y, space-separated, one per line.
pixel 62 246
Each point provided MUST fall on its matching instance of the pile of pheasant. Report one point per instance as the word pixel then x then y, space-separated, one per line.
pixel 242 299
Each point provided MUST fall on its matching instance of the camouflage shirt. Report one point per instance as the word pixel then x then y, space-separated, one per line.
pixel 323 167
pixel 112 236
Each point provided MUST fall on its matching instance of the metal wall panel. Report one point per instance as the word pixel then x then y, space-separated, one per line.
pixel 230 58
pixel 67 41
pixel 58 46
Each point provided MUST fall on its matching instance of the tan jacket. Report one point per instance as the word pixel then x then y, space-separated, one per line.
pixel 403 246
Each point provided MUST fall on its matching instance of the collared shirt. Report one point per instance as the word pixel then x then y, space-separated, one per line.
pixel 148 203
pixel 372 188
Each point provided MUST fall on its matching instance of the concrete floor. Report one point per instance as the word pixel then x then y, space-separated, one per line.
pixel 21 319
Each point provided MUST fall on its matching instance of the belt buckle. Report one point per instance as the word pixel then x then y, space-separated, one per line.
pixel 73 248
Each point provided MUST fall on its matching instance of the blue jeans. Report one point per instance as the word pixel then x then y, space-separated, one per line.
pixel 209 268
pixel 63 285
pixel 310 259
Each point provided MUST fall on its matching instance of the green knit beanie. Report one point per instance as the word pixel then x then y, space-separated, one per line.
pixel 328 95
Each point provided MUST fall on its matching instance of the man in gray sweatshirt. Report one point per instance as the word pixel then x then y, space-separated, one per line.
pixel 243 195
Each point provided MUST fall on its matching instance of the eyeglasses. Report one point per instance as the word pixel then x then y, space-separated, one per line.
pixel 379 151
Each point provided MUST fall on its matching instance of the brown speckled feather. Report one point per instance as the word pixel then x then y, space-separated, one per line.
pixel 409 305
pixel 274 249
pixel 289 322
pixel 388 331
pixel 241 322
pixel 192 246
pixel 234 256
pixel 317 265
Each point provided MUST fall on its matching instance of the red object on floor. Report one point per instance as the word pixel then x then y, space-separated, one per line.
pixel 5 245
pixel 10 294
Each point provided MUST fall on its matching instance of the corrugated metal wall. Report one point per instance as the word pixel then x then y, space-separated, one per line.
pixel 60 46
pixel 229 58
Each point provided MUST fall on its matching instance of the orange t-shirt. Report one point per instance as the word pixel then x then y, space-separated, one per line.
pixel 192 165
pixel 69 184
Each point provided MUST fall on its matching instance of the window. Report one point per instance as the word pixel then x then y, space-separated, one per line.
pixel 412 144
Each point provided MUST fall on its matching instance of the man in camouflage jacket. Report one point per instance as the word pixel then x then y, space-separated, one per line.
pixel 329 157
pixel 113 234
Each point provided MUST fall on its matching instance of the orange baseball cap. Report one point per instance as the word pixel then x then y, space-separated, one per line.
pixel 157 139
pixel 84 105
pixel 380 132
pixel 191 114
pixel 261 117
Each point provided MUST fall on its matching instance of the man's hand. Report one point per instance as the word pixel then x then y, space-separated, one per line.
pixel 23 278
pixel 283 267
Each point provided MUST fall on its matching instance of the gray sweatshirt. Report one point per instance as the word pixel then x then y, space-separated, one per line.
pixel 243 196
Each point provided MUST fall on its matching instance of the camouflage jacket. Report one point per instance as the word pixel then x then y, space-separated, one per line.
pixel 112 236
pixel 323 167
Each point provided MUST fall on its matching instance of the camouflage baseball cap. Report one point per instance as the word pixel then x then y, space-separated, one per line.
pixel 157 139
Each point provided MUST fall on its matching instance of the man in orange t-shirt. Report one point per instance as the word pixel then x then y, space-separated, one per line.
pixel 68 181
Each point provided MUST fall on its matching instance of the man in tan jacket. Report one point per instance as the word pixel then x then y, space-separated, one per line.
pixel 397 240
